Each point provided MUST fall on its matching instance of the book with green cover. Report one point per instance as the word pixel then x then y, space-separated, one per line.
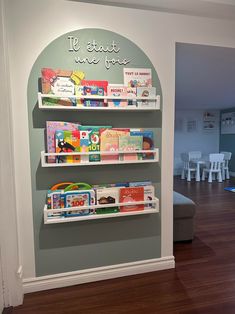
pixel 131 143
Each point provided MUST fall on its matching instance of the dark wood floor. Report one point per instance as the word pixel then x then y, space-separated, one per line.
pixel 203 281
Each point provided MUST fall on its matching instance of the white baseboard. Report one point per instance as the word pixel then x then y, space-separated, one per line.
pixel 96 274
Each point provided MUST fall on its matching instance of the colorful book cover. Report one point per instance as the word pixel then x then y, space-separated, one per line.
pixel 136 77
pixel 132 93
pixel 67 142
pixel 149 195
pixel 84 145
pixel 78 199
pixel 109 141
pixel 62 83
pixel 79 92
pixel 93 91
pixel 117 91
pixel 146 92
pixel 73 138
pixel 140 183
pixel 130 143
pixel 51 127
pixel 131 194
pixel 101 84
pixel 148 142
pixel 94 139
pixel 107 196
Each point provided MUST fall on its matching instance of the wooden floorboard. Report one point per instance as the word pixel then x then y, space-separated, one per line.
pixel 202 282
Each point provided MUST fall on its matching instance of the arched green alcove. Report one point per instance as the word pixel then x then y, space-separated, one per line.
pixel 80 245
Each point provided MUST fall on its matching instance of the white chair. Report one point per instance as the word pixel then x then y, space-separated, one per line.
pixel 215 167
pixel 195 158
pixel 225 169
pixel 195 155
pixel 187 167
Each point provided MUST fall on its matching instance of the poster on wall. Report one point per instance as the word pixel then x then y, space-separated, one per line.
pixel 209 121
pixel 228 123
pixel 191 126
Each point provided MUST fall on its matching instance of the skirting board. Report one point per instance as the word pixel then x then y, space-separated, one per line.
pixel 96 274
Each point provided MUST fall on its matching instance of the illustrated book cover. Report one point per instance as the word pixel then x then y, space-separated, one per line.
pixel 137 77
pixel 131 194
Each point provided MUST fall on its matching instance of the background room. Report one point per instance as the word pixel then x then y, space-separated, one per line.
pixel 205 80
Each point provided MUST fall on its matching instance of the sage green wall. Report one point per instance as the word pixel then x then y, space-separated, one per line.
pixel 227 143
pixel 81 245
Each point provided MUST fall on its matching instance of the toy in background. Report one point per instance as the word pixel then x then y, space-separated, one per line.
pixel 66 195
pixel 70 195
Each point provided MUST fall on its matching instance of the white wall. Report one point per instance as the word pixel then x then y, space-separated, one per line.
pixel 206 141
pixel 32 24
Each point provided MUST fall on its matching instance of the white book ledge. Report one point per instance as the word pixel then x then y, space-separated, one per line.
pixel 154 106
pixel 48 219
pixel 44 156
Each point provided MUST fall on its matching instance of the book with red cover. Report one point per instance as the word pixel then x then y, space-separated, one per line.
pixel 131 194
pixel 103 84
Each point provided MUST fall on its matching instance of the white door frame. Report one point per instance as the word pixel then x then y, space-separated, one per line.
pixel 11 269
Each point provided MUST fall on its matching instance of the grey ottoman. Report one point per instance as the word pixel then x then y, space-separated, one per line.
pixel 183 212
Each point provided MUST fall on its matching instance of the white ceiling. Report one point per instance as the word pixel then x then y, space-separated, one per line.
pixel 224 9
pixel 205 77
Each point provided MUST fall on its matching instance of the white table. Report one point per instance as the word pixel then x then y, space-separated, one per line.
pixel 198 163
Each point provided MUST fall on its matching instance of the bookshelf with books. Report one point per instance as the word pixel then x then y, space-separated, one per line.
pixel 73 144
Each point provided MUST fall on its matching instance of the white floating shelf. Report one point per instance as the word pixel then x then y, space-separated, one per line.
pixel 44 156
pixel 54 220
pixel 83 108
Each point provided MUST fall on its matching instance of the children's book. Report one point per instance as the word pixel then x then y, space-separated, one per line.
pixel 84 145
pixel 93 91
pixel 136 77
pixel 79 92
pixel 140 183
pixel 149 195
pixel 94 139
pixel 148 142
pixel 107 196
pixel 131 194
pixel 73 138
pixel 109 141
pixel 146 92
pixel 132 93
pixel 51 127
pixel 62 83
pixel 117 91
pixel 66 142
pixel 96 85
pixel 130 143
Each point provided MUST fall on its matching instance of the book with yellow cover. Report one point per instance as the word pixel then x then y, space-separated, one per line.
pixel 109 141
